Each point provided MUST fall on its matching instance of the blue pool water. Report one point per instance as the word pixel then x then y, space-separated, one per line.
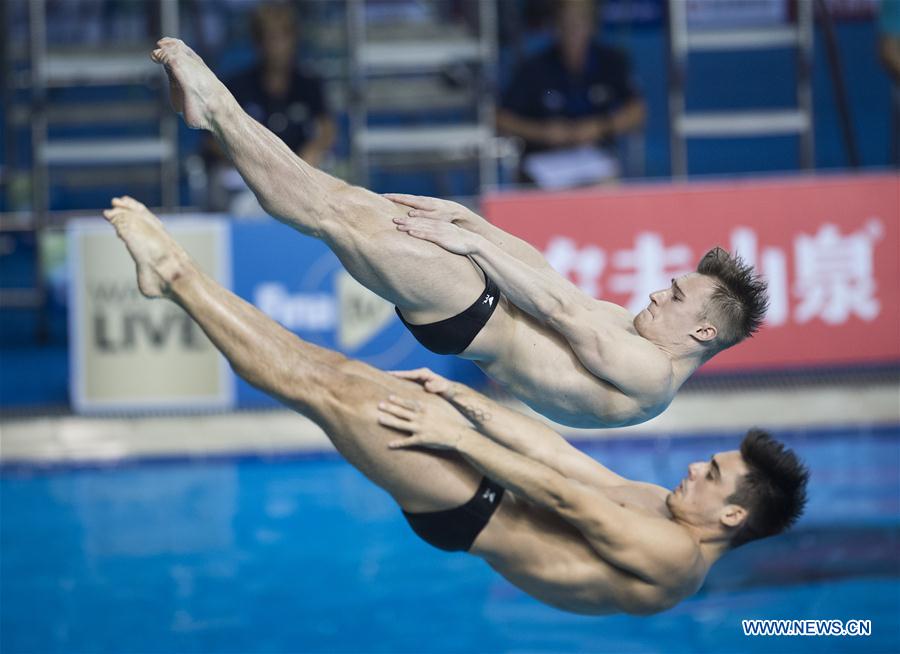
pixel 302 554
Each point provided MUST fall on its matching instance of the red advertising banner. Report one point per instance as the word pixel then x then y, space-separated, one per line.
pixel 829 248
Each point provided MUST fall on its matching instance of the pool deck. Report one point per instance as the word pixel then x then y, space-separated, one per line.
pixel 77 439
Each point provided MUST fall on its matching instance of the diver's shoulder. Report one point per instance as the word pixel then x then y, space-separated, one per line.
pixel 614 312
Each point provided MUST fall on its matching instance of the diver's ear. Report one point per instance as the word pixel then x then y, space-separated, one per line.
pixel 733 515
pixel 705 332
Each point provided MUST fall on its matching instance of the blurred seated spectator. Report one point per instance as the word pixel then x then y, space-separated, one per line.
pixel 280 95
pixel 570 102
pixel 889 50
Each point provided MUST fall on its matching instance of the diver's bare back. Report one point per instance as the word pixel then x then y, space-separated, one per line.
pixel 538 366
pixel 552 561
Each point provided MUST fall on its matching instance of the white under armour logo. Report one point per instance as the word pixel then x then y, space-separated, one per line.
pixel 489 300
pixel 489 495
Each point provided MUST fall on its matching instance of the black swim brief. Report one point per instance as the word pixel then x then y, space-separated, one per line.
pixel 454 530
pixel 453 335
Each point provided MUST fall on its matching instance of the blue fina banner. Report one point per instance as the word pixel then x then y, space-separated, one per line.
pixel 300 283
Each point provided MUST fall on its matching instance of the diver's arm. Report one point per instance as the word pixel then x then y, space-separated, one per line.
pixel 453 212
pixel 516 431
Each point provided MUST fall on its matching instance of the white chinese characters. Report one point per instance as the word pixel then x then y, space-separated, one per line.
pixel 834 274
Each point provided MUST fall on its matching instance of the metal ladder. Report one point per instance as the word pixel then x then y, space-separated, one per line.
pixel 29 75
pixel 684 40
pixel 399 69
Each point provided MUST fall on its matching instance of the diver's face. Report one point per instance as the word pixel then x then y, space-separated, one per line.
pixel 676 312
pixel 702 496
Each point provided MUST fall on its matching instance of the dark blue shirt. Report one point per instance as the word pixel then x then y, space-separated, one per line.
pixel 542 88
pixel 292 116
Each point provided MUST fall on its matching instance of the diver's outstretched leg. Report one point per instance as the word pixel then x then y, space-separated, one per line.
pixel 339 394
pixel 425 281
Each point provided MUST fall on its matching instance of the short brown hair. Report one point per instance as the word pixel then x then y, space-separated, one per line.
pixel 740 298
pixel 773 490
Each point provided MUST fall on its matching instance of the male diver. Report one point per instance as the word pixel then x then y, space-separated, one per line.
pixel 471 475
pixel 577 360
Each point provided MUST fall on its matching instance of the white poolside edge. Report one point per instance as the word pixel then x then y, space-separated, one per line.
pixel 82 439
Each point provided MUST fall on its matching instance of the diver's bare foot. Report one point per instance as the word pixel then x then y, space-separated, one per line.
pixel 195 91
pixel 160 260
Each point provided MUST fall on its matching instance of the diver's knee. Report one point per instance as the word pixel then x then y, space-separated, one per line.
pixel 346 390
pixel 356 208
